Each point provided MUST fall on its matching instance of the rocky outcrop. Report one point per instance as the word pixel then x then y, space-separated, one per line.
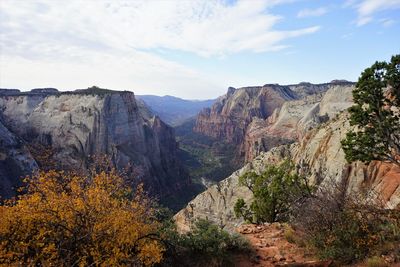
pixel 85 123
pixel 259 118
pixel 320 152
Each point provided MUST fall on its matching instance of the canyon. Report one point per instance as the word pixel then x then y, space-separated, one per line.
pixel 194 168
pixel 251 127
pixel 316 125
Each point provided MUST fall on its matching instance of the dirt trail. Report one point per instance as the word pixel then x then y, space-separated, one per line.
pixel 272 249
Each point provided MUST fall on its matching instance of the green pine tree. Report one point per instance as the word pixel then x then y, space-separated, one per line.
pixel 376 115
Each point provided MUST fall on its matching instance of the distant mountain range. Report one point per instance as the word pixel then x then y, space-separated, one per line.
pixel 174 110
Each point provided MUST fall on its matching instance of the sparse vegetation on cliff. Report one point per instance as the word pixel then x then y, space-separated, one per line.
pixel 94 90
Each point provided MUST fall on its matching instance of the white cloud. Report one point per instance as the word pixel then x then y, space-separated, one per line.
pixel 119 39
pixel 387 22
pixel 366 9
pixel 361 21
pixel 317 12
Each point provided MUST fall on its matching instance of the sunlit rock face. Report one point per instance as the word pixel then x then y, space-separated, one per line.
pixel 229 117
pixel 85 123
pixel 320 152
pixel 295 118
pixel 259 118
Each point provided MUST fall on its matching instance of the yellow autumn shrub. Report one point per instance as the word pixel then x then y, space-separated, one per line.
pixel 63 219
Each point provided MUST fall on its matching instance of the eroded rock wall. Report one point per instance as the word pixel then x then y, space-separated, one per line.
pixel 79 125
pixel 259 118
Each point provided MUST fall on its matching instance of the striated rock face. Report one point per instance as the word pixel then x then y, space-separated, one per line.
pixel 321 151
pixel 259 118
pixel 295 118
pixel 97 122
pixel 229 117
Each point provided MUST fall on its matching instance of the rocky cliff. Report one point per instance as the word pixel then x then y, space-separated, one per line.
pixel 84 123
pixel 231 114
pixel 295 118
pixel 321 151
pixel 15 162
pixel 259 118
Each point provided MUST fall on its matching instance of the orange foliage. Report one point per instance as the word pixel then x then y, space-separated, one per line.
pixel 74 220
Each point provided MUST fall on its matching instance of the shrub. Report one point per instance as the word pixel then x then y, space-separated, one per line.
pixel 289 234
pixel 66 220
pixel 276 191
pixel 347 226
pixel 206 244
pixel 242 210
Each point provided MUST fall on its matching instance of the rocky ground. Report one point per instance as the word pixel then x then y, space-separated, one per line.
pixel 272 248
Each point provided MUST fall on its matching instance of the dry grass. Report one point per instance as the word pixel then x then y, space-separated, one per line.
pixel 376 262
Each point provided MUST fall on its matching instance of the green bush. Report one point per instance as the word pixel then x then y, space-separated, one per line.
pixel 206 244
pixel 209 241
pixel 242 210
pixel 276 191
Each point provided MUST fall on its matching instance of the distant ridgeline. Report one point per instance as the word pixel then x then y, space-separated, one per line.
pixel 174 110
pixel 94 90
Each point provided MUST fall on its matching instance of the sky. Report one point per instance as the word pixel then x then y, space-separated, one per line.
pixel 191 49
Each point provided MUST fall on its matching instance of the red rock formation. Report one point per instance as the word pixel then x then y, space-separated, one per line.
pixel 385 178
pixel 229 117
pixel 259 118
